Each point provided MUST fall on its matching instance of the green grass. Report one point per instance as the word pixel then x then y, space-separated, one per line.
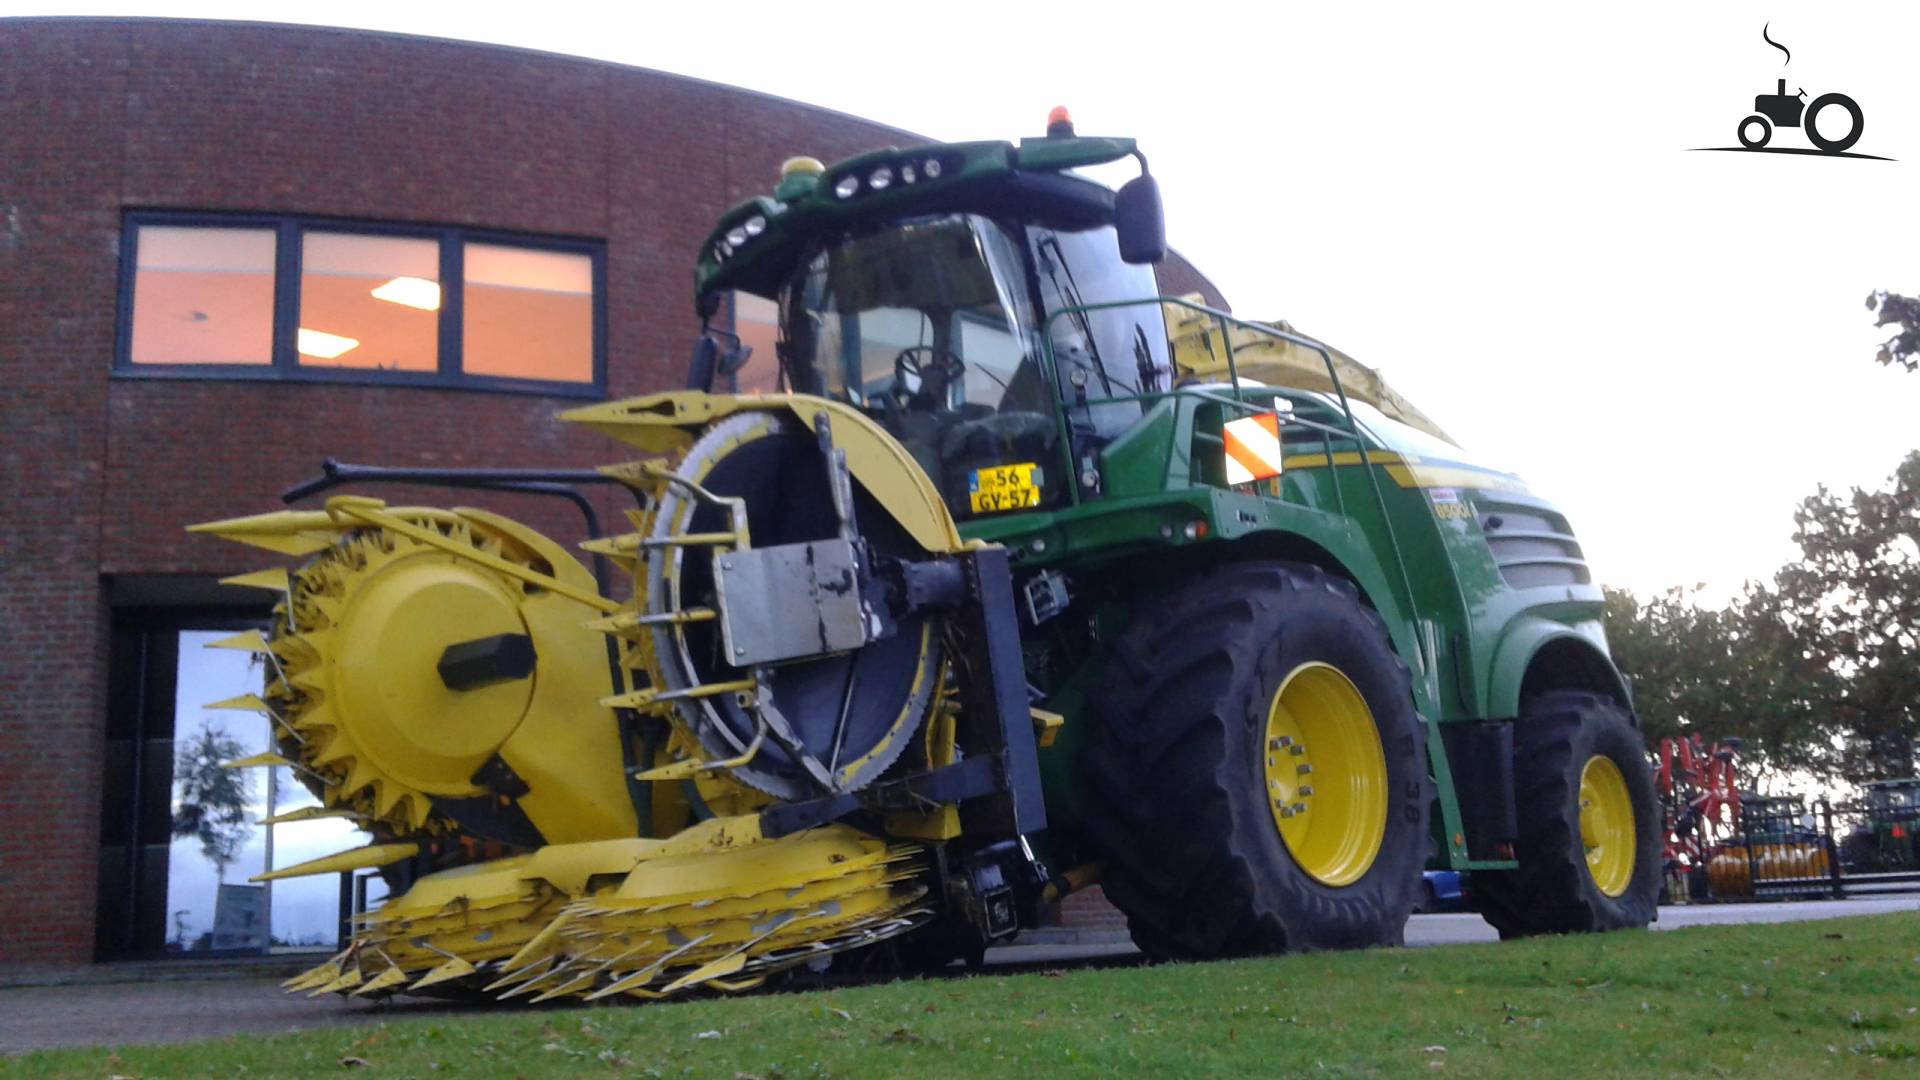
pixel 1835 998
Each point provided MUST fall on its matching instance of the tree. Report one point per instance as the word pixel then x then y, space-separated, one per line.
pixel 213 800
pixel 1856 593
pixel 1819 671
pixel 1902 348
pixel 1737 671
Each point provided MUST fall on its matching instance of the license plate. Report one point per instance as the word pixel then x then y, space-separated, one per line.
pixel 1004 487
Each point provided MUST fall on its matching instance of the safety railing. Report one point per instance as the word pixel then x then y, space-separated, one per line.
pixel 1237 395
pixel 1784 849
pixel 1878 845
pixel 1793 847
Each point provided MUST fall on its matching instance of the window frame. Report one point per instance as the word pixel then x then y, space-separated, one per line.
pixel 285 365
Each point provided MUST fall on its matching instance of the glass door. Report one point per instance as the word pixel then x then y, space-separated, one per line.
pixel 182 836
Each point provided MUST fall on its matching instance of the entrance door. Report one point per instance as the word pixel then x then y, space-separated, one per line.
pixel 181 836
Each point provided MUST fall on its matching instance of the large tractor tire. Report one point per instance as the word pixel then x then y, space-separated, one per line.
pixel 1259 772
pixel 1589 844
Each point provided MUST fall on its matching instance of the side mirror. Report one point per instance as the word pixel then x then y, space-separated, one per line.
pixel 706 360
pixel 1137 220
pixel 731 361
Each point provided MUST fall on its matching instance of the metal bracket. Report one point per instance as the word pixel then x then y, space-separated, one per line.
pixel 1046 596
pixel 964 780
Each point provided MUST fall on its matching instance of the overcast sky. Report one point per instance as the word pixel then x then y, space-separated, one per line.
pixel 1496 205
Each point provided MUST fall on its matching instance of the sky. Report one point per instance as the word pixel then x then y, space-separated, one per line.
pixel 1497 205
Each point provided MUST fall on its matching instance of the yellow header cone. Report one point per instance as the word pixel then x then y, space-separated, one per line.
pixel 391 977
pixel 289 532
pixel 243 703
pixel 454 968
pixel 361 858
pixel 258 761
pixel 246 641
pixel 309 813
pixel 274 579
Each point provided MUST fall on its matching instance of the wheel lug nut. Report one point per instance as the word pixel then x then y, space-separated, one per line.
pixel 1304 768
pixel 1305 790
pixel 1296 750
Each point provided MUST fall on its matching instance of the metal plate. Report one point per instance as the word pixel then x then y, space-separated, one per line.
pixel 789 602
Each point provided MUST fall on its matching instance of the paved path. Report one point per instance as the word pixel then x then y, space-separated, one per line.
pixel 1459 929
pixel 100 1013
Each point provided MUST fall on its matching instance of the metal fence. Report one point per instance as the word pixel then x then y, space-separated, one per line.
pixel 1793 848
pixel 1878 849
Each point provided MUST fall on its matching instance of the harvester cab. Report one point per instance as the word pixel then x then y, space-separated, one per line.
pixel 1023 577
pixel 913 287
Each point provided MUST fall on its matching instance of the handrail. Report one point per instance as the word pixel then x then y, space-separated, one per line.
pixel 1223 320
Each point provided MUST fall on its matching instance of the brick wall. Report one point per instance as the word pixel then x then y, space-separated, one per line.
pixel 1089 909
pixel 97 475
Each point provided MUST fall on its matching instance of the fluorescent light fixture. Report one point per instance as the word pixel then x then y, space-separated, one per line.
pixel 414 292
pixel 321 344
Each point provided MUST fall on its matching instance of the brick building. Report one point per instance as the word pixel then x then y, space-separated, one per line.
pixel 181 204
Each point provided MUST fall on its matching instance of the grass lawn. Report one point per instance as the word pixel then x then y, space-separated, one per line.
pixel 1833 998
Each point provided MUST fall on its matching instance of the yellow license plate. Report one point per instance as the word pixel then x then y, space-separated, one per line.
pixel 1004 487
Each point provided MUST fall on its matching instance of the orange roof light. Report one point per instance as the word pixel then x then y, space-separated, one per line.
pixel 1059 121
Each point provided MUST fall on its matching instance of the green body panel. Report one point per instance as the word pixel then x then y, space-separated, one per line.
pixel 1466 633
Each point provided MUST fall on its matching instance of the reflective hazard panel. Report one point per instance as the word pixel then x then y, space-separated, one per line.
pixel 1252 448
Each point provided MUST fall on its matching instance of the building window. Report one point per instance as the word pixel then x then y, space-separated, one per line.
pixel 203 296
pixel 757 321
pixel 323 300
pixel 369 302
pixel 529 314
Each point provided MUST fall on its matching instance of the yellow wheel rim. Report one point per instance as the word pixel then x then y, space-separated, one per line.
pixel 1606 824
pixel 1326 775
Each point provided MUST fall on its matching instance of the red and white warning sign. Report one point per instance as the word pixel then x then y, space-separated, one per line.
pixel 1253 448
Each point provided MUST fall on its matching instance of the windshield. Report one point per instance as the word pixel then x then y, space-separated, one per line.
pixel 928 328
pixel 1112 352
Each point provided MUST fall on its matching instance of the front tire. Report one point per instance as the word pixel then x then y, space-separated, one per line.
pixel 1258 772
pixel 1589 844
pixel 1758 141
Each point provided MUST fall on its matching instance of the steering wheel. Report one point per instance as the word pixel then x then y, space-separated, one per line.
pixel 929 365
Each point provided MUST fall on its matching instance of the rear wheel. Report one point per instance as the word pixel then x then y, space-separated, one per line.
pixel 1855 123
pixel 1589 845
pixel 1259 774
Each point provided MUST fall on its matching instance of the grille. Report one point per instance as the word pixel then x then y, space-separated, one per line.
pixel 1532 546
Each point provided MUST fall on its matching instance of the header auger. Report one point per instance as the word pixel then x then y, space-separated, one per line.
pixel 1015 576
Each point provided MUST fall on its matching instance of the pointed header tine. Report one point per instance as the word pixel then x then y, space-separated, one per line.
pixel 273 578
pixel 246 641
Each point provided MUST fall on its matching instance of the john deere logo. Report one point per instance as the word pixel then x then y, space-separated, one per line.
pixel 1843 122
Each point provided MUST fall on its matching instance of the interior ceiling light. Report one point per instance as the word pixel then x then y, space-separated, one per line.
pixel 414 292
pixel 321 344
